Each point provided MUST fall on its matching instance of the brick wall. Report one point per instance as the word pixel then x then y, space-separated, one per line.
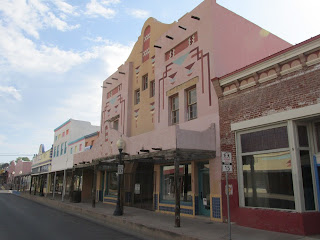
pixel 295 90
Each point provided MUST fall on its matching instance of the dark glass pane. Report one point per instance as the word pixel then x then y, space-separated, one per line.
pixel 265 140
pixel 267 180
pixel 303 136
pixel 112 183
pixel 307 180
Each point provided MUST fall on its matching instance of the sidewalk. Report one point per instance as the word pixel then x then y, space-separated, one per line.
pixel 154 225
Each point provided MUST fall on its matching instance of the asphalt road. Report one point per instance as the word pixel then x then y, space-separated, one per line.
pixel 23 219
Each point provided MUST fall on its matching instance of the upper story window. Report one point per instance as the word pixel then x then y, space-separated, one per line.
pixel 58 151
pixel 54 152
pixel 65 147
pixel 67 132
pixel 116 124
pixel 63 134
pixel 174 109
pixel 80 147
pixel 137 96
pixel 171 53
pixel 146 44
pixel 145 82
pixel 192 103
pixel 61 149
pixel 152 88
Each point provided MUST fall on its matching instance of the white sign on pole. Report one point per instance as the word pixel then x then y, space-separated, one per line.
pixel 120 169
pixel 226 157
pixel 226 168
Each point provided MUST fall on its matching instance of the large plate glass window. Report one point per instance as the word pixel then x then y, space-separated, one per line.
pixel 167 183
pixel 266 169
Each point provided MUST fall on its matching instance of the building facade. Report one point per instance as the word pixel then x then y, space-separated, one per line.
pixel 269 121
pixel 161 101
pixel 41 166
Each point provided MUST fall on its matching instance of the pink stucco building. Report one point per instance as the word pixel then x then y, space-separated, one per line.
pixel 162 102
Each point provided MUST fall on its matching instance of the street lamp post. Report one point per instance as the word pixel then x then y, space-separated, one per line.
pixel 119 209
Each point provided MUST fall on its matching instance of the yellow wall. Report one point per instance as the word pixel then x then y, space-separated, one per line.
pixel 144 120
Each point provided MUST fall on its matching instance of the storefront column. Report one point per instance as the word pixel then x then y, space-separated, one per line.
pixel 54 184
pixel 31 185
pixel 177 193
pixel 64 184
pixel 72 185
pixel 94 186
pixel 296 170
pixel 48 184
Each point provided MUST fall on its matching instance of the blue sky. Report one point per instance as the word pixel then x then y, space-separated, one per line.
pixel 54 55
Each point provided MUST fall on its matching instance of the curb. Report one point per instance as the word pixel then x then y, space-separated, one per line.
pixel 121 223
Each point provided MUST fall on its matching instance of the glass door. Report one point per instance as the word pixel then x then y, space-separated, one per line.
pixel 306 164
pixel 204 189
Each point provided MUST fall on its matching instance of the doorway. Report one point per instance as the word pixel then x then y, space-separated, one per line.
pixel 143 186
pixel 204 189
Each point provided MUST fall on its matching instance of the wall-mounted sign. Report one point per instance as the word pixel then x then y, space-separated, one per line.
pixel 205 202
pixel 137 188
pixel 226 157
pixel 120 169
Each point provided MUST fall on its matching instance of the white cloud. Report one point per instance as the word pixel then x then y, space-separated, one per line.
pixel 138 13
pixel 109 2
pixel 95 9
pixel 10 92
pixel 66 7
pixel 32 16
pixel 85 102
pixel 22 54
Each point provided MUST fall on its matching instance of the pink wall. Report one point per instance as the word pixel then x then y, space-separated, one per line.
pixel 22 168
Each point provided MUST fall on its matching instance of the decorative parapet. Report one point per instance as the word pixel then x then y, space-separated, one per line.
pixel 282 63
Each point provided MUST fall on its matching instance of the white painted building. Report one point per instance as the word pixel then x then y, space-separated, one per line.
pixel 66 133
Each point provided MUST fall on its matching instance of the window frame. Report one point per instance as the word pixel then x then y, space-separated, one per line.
pixel 189 105
pixel 152 88
pixel 115 124
pixel 239 156
pixel 174 111
pixel 161 200
pixel 144 82
pixel 137 96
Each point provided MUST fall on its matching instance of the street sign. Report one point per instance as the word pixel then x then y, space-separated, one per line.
pixel 226 168
pixel 120 169
pixel 226 157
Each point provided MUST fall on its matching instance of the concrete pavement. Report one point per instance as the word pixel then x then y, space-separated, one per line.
pixel 154 225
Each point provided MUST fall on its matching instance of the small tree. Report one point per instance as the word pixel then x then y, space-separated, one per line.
pixel 26 159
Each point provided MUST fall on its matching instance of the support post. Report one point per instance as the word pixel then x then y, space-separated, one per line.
pixel 177 195
pixel 54 184
pixel 94 187
pixel 228 206
pixel 31 185
pixel 64 184
pixel 47 187
pixel 72 185
pixel 119 210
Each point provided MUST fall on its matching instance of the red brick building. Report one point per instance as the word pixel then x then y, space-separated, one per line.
pixel 270 122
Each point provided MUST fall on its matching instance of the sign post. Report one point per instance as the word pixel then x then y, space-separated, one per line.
pixel 227 167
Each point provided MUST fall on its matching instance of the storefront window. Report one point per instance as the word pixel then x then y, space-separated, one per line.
pixel 266 169
pixel 112 184
pixel 167 183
